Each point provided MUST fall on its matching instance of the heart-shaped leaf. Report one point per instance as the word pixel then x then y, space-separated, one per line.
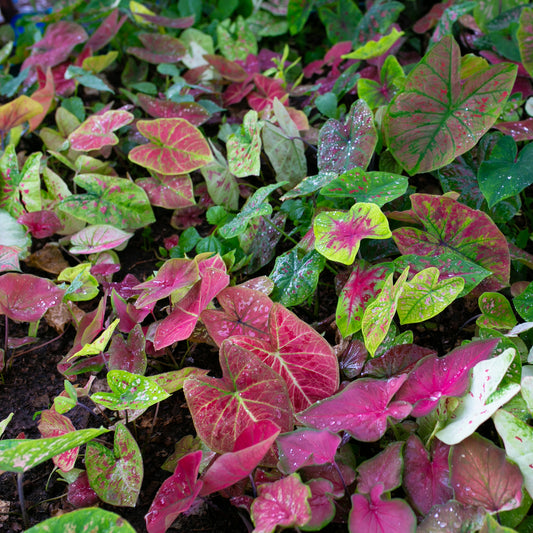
pixel 20 110
pixel 438 116
pixel 116 476
pixel 385 468
pixel 453 516
pixel 321 503
pixel 281 503
pixel 158 48
pixel 362 408
pixel 95 239
pixel 41 224
pixel 496 311
pixel 523 303
pixel 130 354
pixel 221 183
pixel 338 234
pixel 170 192
pixel 343 146
pixel 244 147
pixel 97 131
pixel 249 391
pixel 230 70
pixel 53 424
pixel 106 31
pixel 194 113
pixel 175 147
pixel 400 359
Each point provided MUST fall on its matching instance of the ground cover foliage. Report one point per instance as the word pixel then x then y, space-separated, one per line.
pixel 334 199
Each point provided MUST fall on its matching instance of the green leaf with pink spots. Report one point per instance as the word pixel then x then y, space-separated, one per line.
pixel 525 38
pixel 116 475
pixel 109 200
pixel 425 296
pixel 244 147
pixel 158 48
pixel 496 311
pixel 175 147
pixel 438 116
pixel 339 233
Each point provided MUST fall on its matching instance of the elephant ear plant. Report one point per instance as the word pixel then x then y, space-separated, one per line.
pixel 290 280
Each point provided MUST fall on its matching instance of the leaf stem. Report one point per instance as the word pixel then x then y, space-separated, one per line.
pixel 20 489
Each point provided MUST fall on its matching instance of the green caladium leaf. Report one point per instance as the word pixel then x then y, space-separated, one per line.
pixel 524 303
pixel 298 12
pixel 496 311
pixel 257 205
pixel 485 397
pixel 19 455
pixel 14 240
pixel 116 475
pixel 338 233
pixel 235 39
pixel 82 520
pixel 373 187
pixel 310 184
pixel 83 285
pixel 130 391
pixel 378 315
pixel 98 345
pixel 438 116
pixel 525 38
pixel 424 296
pixel 377 48
pixel 109 200
pixel 504 175
pixel 175 147
pixel 244 147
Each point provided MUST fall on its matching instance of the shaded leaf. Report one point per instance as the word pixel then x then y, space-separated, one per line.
pixel 385 468
pixel 221 183
pixel 158 48
pixel 453 516
pixel 41 224
pixel 193 112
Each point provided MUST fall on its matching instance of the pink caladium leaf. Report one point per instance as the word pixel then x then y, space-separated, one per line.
pixel 158 48
pixel 438 116
pixel 98 238
pixel 9 258
pixel 25 298
pixel 128 354
pixel 80 494
pixel 519 130
pixel 425 478
pixel 362 408
pixel 282 503
pixel 374 515
pixel 482 476
pixel 343 146
pixel 176 494
pixel 175 147
pixel 250 448
pixel 248 392
pixel 385 468
pixel 53 424
pixel 128 314
pixel 170 192
pixel 167 22
pixel 97 131
pixel 321 504
pixel 44 95
pixel 245 312
pixel 306 447
pixel 41 224
pixel 363 285
pixel 173 275
pixel 106 31
pixel 338 234
pixel 266 91
pixel 229 70
pixel 194 113
pixel 302 357
pixel 454 227
pixel 434 377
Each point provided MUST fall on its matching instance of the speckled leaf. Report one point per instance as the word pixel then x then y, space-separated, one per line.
pixel 130 391
pixel 158 48
pixel 496 311
pixel 116 476
pixel 244 147
pixel 424 296
pixel 83 520
pixel 19 455
pixel 109 200
pixel 281 503
pixel 95 239
pixel 372 187
pixel 221 183
pixel 524 303
pixel 97 131
pixel 175 147
pixel 362 287
pixel 168 22
pixel 338 233
pixel 230 70
pixel 525 38
pixel 377 19
pixel 53 424
pixel 106 31
pixel 437 116
pixel 451 226
pixel 9 258
pixel 310 184
pixel 248 391
pixel 343 146
pixel 16 112
pixel 485 397
pixel 170 192
pixel 379 314
pixel 194 113
pixel 235 39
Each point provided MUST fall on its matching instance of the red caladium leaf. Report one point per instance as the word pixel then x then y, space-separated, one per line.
pixel 25 298
pixel 519 130
pixel 306 447
pixel 425 479
pixel 438 116
pixel 176 146
pixel 44 95
pixel 281 503
pixel 170 192
pixel 434 377
pixel 80 494
pixel 158 48
pixel 236 92
pixel 454 227
pixel 266 91
pixel 167 22
pixel 128 314
pixel 321 504
pixel 250 448
pixel 385 468
pixel 339 233
pixel 245 312
pixel 248 392
pixel 195 113
pixel 97 131
pixel 343 146
pixel 41 224
pixel 16 112
pixel 130 354
pixel 302 357
pixel 230 70
pixel 53 424
pixel 374 515
pixel 106 31
pixel 362 409
pixel 176 494
pixel 482 476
